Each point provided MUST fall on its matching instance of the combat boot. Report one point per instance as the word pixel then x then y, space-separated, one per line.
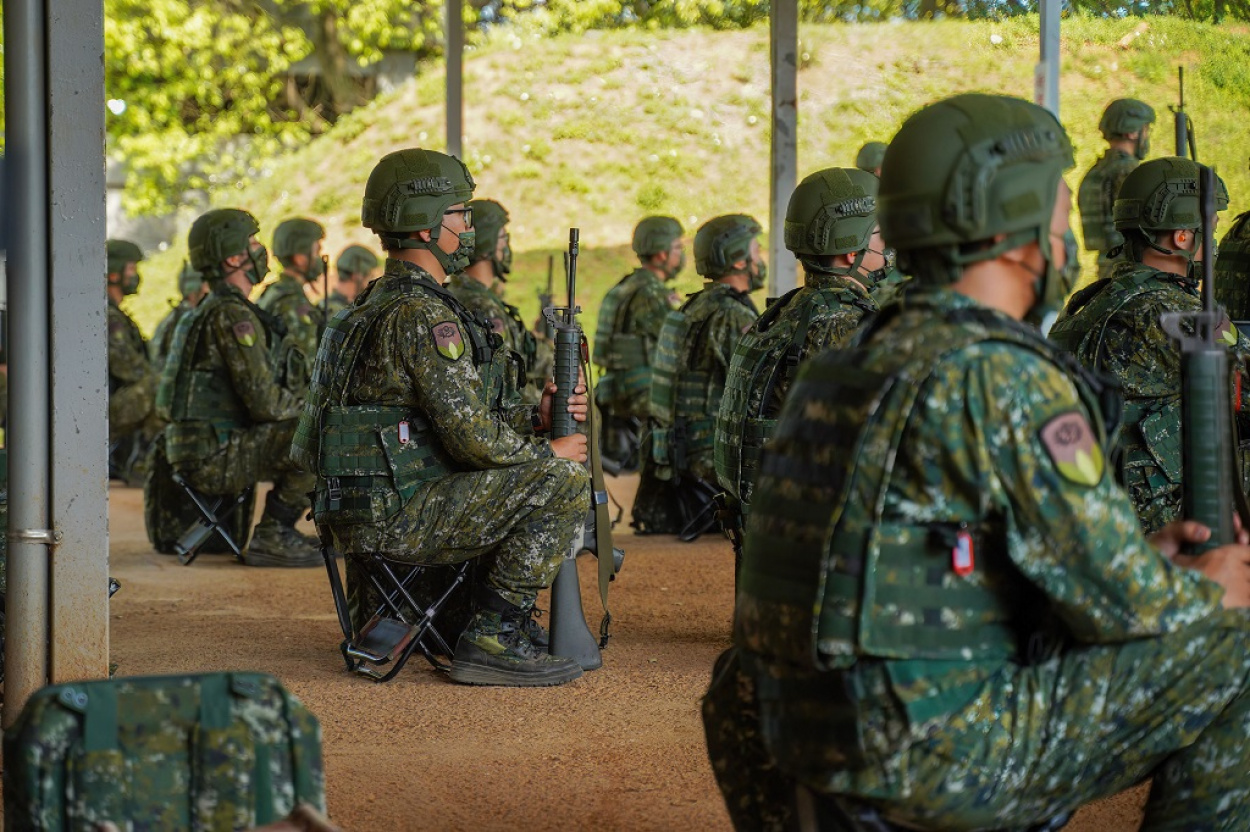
pixel 493 650
pixel 277 544
pixel 535 632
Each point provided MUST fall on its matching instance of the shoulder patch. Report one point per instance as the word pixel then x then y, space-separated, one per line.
pixel 1227 332
pixel 448 341
pixel 1070 441
pixel 245 333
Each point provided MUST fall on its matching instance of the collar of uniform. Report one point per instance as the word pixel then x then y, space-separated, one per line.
pixel 938 299
pixel 221 287
pixel 1128 269
pixel 404 269
pixel 818 280
pixel 465 283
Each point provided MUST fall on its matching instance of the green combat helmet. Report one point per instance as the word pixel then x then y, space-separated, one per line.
pixel 1126 116
pixel 655 234
pixel 297 236
pixel 119 253
pixel 870 157
pixel 355 260
pixel 722 241
pixel 189 279
pixel 409 191
pixel 489 219
pixel 833 212
pixel 1162 195
pixel 222 233
pixel 965 170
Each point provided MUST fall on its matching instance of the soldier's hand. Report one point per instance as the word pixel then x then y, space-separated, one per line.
pixel 1228 566
pixel 571 447
pixel 1172 539
pixel 579 402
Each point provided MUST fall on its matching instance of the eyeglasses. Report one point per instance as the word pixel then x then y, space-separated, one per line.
pixel 466 214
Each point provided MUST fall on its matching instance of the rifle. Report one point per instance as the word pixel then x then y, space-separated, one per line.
pixel 1207 434
pixel 570 637
pixel 1186 146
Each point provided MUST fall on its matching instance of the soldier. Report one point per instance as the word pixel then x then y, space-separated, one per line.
pixel 192 287
pixel 466 471
pixel 1232 270
pixel 491 261
pixel 630 318
pixel 688 380
pixel 228 393
pixel 831 226
pixel 1125 124
pixel 1112 326
pixel 948 615
pixel 297 245
pixel 869 157
pixel 132 382
pixel 356 268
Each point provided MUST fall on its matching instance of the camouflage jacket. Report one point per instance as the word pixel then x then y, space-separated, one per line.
pixel 630 318
pixel 286 300
pixel 943 485
pixel 1096 197
pixel 824 313
pixel 128 354
pixel 504 320
pixel 1112 327
pixel 158 347
pixel 1232 270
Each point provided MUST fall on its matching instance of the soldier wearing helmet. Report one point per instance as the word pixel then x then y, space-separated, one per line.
pixel 1232 269
pixel 692 357
pixel 870 157
pixel 831 227
pixel 630 318
pixel 232 390
pixel 1112 326
pixel 491 263
pixel 355 269
pixel 297 245
pixel 944 590
pixel 468 470
pixel 132 382
pixel 192 287
pixel 1125 124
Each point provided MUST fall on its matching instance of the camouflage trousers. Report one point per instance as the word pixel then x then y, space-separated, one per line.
pixel 1036 742
pixel 525 515
pixel 260 453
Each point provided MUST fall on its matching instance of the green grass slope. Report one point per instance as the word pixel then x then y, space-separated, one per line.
pixel 600 129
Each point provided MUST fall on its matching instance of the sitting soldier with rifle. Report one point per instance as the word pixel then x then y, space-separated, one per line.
pixel 831 226
pixel 1113 326
pixel 420 449
pixel 692 359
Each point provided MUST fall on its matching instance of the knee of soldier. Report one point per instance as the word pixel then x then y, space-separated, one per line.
pixel 571 478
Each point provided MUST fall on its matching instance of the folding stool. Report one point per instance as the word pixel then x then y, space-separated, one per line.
pixel 214 514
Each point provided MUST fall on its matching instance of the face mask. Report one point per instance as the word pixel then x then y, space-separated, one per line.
pixel 1048 288
pixel 759 276
pixel 458 260
pixel 316 268
pixel 872 278
pixel 258 264
pixel 1143 148
pixel 130 285
pixel 503 265
pixel 675 269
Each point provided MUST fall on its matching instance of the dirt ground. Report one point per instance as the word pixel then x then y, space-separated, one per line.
pixel 620 749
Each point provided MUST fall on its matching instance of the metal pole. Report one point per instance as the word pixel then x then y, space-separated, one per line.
pixel 455 77
pixel 79 348
pixel 1046 79
pixel 784 38
pixel 26 610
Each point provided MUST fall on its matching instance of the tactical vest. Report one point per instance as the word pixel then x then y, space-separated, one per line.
pixel 828 577
pixel 200 402
pixel 763 366
pixel 1232 270
pixel 277 292
pixel 1095 199
pixel 625 356
pixel 370 459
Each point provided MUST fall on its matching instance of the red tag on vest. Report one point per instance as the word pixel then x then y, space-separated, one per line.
pixel 403 433
pixel 1237 391
pixel 962 556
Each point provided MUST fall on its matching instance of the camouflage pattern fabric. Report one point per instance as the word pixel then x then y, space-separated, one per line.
pixel 168 513
pixel 163 337
pixel 334 304
pixel 221 751
pixel 1050 658
pixel 286 300
pixel 132 383
pixel 505 492
pixel 231 421
pixel 504 320
pixel 1095 199
pixel 1112 326
pixel 630 318
pixel 1232 270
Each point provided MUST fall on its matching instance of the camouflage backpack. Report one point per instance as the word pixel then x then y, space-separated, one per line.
pixel 1232 270
pixel 220 751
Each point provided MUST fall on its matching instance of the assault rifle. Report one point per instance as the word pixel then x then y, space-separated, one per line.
pixel 570 637
pixel 1210 465
pixel 1186 146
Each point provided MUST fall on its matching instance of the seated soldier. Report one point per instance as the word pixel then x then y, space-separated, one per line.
pixel 355 269
pixel 695 346
pixel 1113 327
pixel 948 615
pixel 132 381
pixel 492 261
pixel 831 226
pixel 193 289
pixel 228 393
pixel 421 449
pixel 297 245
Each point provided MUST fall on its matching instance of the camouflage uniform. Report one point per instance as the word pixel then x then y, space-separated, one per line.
pixel 1099 189
pixel 1232 270
pixel 132 382
pixel 285 300
pixel 504 320
pixel 335 304
pixel 158 347
pixel 630 318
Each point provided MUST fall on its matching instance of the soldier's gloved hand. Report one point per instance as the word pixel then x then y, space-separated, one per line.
pixel 571 447
pixel 579 403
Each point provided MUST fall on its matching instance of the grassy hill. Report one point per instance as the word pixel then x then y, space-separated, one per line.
pixel 600 129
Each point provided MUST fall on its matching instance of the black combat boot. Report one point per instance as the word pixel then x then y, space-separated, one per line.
pixel 494 650
pixel 275 542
